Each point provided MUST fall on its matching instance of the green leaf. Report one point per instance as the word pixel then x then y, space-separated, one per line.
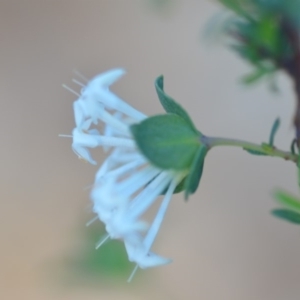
pixel 288 200
pixel 169 104
pixel 274 131
pixel 247 52
pixel 267 33
pixel 255 76
pixel 167 141
pixel 236 6
pixel 288 215
pixel 293 146
pixel 193 179
pixel 254 152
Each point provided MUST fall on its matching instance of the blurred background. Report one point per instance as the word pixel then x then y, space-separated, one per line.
pixel 224 242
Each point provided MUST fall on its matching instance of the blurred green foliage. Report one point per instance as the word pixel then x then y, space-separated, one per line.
pixel 109 260
pixel 259 34
pixel 161 5
pixel 291 204
pixel 108 263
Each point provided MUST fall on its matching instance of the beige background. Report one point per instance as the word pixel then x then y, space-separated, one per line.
pixel 224 242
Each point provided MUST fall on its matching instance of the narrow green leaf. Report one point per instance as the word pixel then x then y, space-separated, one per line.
pixel 288 200
pixel 169 104
pixel 254 77
pixel 248 52
pixel 298 166
pixel 194 176
pixel 274 131
pixel 293 146
pixel 287 215
pixel 236 7
pixel 167 141
pixel 267 33
pixel 254 152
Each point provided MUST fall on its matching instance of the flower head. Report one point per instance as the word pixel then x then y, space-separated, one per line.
pixel 129 181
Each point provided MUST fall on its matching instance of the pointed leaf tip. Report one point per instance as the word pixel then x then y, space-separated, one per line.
pixel 169 104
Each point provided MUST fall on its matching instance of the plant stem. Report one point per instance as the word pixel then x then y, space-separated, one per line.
pixel 263 149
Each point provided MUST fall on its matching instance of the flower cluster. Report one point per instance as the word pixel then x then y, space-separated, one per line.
pixel 126 184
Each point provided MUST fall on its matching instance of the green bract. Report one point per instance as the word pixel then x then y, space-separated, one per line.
pixel 168 141
pixel 169 104
pixel 194 176
pixel 172 142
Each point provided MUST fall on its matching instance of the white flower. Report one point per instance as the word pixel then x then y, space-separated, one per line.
pixel 126 184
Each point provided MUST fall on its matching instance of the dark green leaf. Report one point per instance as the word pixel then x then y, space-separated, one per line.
pixel 274 131
pixel 169 104
pixel 254 152
pixel 288 215
pixel 194 176
pixel 293 146
pixel 167 141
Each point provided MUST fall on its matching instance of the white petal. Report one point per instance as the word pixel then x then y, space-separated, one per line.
pixel 136 181
pixel 98 90
pixel 149 194
pixel 153 260
pixel 153 230
pixel 138 254
pixel 127 168
pixel 79 114
pixel 85 139
pixel 83 153
pixel 103 80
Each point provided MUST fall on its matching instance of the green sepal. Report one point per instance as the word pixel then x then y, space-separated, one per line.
pixel 274 130
pixel 179 188
pixel 287 215
pixel 193 178
pixel 169 104
pixel 288 200
pixel 167 141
